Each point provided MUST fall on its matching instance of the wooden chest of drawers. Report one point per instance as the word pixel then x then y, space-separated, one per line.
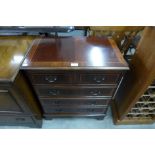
pixel 18 106
pixel 74 76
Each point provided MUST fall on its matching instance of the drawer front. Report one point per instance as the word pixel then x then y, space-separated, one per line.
pixel 51 78
pixel 15 119
pixel 74 92
pixel 99 78
pixel 77 103
pixel 74 77
pixel 8 103
pixel 74 110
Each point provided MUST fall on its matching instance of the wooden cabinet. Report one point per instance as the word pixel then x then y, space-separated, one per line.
pixel 135 100
pixel 18 120
pixel 18 106
pixel 8 103
pixel 74 76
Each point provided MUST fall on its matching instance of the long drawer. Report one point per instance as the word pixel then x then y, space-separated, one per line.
pixel 47 91
pixel 71 77
pixel 99 116
pixel 76 103
pixel 74 111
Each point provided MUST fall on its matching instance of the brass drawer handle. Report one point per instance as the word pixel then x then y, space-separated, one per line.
pixel 51 79
pixel 95 92
pixel 98 79
pixel 53 92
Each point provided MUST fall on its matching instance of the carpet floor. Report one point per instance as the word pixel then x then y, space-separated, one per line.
pixel 84 123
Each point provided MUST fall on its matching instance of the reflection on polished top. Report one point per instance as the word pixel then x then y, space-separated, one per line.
pixel 12 52
pixel 74 52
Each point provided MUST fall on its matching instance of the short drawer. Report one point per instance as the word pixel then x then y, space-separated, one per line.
pixel 77 103
pixel 46 91
pixel 74 110
pixel 51 77
pixel 99 78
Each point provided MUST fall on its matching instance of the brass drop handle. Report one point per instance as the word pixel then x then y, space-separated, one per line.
pixel 53 92
pixel 98 79
pixel 51 79
pixel 95 92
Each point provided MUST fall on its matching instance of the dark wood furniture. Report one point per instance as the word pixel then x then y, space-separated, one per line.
pixel 74 76
pixel 126 37
pixel 18 105
pixel 135 100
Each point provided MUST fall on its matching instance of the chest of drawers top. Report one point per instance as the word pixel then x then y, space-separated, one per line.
pixel 74 53
pixel 12 52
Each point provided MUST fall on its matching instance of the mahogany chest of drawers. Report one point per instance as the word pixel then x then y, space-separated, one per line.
pixel 18 105
pixel 74 76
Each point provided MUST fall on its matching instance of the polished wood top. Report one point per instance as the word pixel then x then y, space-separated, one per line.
pixel 12 52
pixel 74 53
pixel 116 28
